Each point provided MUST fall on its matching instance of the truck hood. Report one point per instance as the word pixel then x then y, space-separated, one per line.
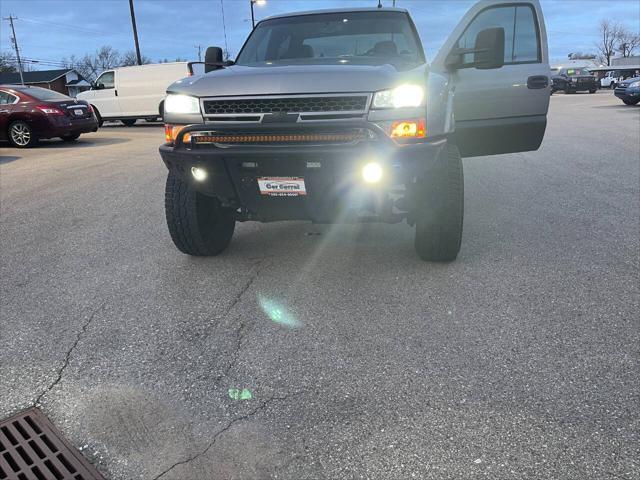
pixel 291 79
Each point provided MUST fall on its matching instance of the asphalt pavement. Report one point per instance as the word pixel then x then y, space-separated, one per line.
pixel 332 352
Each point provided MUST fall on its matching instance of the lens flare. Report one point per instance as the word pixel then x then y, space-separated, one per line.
pixel 277 313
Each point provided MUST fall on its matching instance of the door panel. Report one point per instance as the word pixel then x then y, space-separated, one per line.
pixel 106 99
pixel 6 106
pixel 500 110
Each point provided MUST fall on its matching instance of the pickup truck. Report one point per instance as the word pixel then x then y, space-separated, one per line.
pixel 336 116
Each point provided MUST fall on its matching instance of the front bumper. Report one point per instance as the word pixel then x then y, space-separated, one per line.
pixel 627 93
pixel 331 174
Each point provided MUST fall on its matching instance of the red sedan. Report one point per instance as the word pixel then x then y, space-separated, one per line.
pixel 28 114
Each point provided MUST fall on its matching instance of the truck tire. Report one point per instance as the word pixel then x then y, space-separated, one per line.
pixel 198 225
pixel 592 91
pixel 439 209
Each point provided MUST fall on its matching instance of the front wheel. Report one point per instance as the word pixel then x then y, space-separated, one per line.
pixel 631 102
pixel 21 135
pixel 198 224
pixel 612 86
pixel 439 209
pixel 592 91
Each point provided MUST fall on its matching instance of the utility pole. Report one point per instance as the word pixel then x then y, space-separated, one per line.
pixel 14 40
pixel 135 32
pixel 199 47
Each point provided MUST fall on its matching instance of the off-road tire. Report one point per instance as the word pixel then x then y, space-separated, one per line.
pixel 21 135
pixel 129 122
pixel 198 225
pixel 70 138
pixel 439 209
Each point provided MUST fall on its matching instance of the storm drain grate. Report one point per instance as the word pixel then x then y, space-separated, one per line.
pixel 31 448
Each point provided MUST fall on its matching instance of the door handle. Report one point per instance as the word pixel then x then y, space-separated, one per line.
pixel 537 81
pixel 116 92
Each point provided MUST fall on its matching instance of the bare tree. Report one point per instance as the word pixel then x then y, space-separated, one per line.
pixel 628 42
pixel 129 59
pixel 609 40
pixel 7 63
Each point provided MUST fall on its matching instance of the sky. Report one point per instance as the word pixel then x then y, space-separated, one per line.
pixel 49 30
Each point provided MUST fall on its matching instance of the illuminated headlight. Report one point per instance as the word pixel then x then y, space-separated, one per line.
pixel 635 84
pixel 403 96
pixel 181 104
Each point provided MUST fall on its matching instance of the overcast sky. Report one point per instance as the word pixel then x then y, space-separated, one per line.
pixel 52 29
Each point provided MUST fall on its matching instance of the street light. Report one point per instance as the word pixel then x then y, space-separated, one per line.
pixel 258 2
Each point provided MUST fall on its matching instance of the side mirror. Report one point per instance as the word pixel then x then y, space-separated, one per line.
pixel 99 86
pixel 212 59
pixel 489 49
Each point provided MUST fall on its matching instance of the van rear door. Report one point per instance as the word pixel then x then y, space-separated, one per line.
pixel 501 109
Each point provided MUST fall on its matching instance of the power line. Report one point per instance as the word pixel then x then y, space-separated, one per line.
pixel 63 25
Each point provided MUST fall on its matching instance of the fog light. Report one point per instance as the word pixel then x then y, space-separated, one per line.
pixel 372 172
pixel 200 174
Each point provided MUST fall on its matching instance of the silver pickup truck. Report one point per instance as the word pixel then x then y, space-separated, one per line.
pixel 336 116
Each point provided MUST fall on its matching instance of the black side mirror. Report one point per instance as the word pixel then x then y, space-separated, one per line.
pixel 99 86
pixel 212 59
pixel 489 49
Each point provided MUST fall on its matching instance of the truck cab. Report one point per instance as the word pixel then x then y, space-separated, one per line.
pixel 336 116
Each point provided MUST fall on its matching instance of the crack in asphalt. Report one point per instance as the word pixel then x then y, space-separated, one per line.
pixel 231 423
pixel 236 299
pixel 67 357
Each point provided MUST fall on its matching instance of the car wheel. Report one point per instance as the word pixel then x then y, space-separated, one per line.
pixel 21 135
pixel 612 86
pixel 129 122
pixel 592 91
pixel 567 90
pixel 631 102
pixel 198 224
pixel 70 138
pixel 161 110
pixel 439 209
pixel 98 116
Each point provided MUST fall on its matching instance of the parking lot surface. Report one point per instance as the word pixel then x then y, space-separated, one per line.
pixel 331 351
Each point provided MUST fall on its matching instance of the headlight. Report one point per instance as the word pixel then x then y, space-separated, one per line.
pixel 403 96
pixel 181 104
pixel 635 84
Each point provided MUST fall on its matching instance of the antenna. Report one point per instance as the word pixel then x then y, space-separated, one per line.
pixel 14 40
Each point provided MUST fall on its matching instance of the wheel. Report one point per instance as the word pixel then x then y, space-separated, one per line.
pixel 197 223
pixel 129 122
pixel 631 102
pixel 70 138
pixel 567 89
pixel 592 91
pixel 439 209
pixel 612 86
pixel 161 110
pixel 21 135
pixel 98 116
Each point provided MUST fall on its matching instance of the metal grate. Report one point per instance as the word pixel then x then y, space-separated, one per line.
pixel 350 103
pixel 31 448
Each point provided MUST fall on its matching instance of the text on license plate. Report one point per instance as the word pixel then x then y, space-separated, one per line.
pixel 78 112
pixel 282 186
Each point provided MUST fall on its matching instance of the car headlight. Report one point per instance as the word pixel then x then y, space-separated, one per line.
pixel 181 104
pixel 407 95
pixel 635 84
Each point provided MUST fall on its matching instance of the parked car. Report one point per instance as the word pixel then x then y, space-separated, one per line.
pixel 571 80
pixel 131 93
pixel 28 114
pixel 629 91
pixel 334 116
pixel 610 80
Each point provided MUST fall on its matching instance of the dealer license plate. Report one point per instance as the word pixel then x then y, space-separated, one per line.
pixel 78 112
pixel 282 186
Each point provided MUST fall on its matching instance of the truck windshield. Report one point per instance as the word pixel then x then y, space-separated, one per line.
pixel 351 37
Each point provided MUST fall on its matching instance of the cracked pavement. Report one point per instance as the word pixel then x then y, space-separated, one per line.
pixel 518 361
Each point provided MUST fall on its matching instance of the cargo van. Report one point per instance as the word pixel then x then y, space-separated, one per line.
pixel 131 93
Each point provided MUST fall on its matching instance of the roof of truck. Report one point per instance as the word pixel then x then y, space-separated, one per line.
pixel 336 10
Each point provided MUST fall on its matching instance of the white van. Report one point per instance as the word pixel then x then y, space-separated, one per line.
pixel 130 93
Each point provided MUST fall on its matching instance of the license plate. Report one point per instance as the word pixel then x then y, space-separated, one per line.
pixel 282 186
pixel 78 112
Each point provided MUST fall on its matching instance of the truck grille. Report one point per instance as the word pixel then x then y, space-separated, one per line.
pixel 291 104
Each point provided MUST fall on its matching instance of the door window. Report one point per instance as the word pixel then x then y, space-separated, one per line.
pixel 106 79
pixel 521 39
pixel 7 98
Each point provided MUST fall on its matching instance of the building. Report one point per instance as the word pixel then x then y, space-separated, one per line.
pixel 66 81
pixel 622 68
